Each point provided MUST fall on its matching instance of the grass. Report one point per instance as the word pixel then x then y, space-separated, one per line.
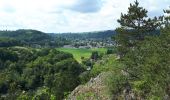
pixel 78 53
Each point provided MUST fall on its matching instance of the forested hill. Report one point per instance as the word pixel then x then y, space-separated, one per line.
pixel 86 35
pixel 37 74
pixel 29 37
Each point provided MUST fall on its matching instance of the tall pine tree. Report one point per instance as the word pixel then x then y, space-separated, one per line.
pixel 135 25
pixel 145 57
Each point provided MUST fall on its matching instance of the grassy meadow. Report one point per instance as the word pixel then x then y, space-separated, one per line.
pixel 78 53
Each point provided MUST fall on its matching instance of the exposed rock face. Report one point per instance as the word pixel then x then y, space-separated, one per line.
pixel 95 89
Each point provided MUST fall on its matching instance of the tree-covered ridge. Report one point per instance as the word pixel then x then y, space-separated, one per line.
pixel 28 73
pixel 87 35
pixel 7 42
pixel 27 35
pixel 32 38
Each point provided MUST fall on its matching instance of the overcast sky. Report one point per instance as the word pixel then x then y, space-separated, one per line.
pixel 69 15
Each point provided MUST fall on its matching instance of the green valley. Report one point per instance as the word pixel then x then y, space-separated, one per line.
pixel 85 53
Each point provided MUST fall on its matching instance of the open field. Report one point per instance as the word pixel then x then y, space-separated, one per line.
pixel 78 53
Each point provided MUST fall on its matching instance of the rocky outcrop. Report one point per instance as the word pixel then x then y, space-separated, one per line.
pixel 95 89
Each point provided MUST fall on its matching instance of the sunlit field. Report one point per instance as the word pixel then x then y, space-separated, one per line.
pixel 78 53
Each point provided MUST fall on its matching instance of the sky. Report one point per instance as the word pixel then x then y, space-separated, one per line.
pixel 60 16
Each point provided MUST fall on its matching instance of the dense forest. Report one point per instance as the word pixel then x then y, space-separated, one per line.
pixel 37 74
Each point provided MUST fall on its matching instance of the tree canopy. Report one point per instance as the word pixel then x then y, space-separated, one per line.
pixel 37 74
pixel 144 52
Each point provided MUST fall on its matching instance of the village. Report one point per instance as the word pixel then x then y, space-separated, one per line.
pixel 90 43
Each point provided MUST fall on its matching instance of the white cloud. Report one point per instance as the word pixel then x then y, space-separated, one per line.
pixel 69 15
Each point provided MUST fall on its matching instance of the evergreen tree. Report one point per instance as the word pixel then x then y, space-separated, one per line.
pixel 135 25
pixel 146 60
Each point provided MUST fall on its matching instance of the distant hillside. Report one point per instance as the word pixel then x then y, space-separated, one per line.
pixel 39 39
pixel 32 38
pixel 87 35
pixel 26 35
pixel 7 42
pixel 97 39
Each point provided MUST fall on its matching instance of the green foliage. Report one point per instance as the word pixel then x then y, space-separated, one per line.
pixel 88 95
pixel 85 77
pixel 88 62
pixel 137 19
pixel 7 42
pixel 111 51
pixel 7 55
pixel 43 93
pixel 37 74
pixel 149 63
pixel 107 63
pixel 94 55
pixel 134 27
pixel 31 38
pixel 115 83
pixel 144 53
